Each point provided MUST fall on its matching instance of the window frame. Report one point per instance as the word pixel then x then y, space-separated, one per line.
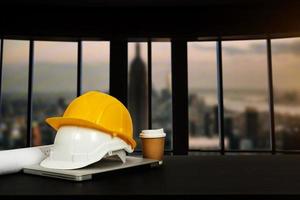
pixel 118 76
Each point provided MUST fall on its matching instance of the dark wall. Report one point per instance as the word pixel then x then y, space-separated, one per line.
pixel 149 18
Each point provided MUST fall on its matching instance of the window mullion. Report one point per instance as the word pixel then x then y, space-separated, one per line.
pixel 149 84
pixel 79 68
pixel 29 99
pixel 271 96
pixel 220 96
pixel 180 97
pixel 1 64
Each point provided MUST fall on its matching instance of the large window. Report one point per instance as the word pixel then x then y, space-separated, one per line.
pixel 54 85
pixel 286 73
pixel 138 90
pixel 162 89
pixel 54 78
pixel 95 66
pixel 13 116
pixel 246 110
pixel 138 87
pixel 203 104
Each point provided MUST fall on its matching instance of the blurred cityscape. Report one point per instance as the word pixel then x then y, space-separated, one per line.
pixel 14 119
pixel 138 96
pixel 246 112
pixel 13 123
pixel 247 129
pixel 246 123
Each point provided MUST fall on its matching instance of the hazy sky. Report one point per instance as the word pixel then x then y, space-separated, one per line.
pixel 244 65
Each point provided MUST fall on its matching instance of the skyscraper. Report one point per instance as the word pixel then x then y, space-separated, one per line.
pixel 138 100
pixel 252 124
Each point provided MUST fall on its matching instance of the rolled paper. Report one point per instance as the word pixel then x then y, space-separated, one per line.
pixel 13 161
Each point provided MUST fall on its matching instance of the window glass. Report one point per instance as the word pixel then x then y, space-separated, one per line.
pixel 203 101
pixel 95 66
pixel 138 87
pixel 162 89
pixel 13 116
pixel 246 110
pixel 286 72
pixel 54 85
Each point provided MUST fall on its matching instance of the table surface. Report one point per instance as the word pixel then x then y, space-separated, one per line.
pixel 231 174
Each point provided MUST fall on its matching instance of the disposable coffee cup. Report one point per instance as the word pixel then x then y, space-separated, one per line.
pixel 153 143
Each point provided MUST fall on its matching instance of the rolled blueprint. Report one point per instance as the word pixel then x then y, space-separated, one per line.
pixel 12 161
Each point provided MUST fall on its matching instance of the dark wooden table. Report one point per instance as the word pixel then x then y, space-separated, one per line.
pixel 193 175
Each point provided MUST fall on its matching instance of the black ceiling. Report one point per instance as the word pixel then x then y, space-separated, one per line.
pixel 149 18
pixel 143 3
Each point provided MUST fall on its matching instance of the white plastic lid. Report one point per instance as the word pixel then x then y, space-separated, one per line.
pixel 153 133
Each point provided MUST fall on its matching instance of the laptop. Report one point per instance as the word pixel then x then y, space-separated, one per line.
pixel 105 165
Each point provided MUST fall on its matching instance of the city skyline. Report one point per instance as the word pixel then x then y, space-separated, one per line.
pixel 243 62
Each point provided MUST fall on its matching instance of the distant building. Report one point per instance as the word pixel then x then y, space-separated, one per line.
pixel 234 140
pixel 138 101
pixel 216 118
pixel 207 123
pixel 252 124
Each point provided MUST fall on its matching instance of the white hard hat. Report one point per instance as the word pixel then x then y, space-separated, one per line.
pixel 76 147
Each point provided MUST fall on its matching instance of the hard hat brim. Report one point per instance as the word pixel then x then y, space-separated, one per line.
pixel 54 164
pixel 57 122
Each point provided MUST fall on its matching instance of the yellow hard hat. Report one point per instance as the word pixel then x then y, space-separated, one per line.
pixel 99 111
